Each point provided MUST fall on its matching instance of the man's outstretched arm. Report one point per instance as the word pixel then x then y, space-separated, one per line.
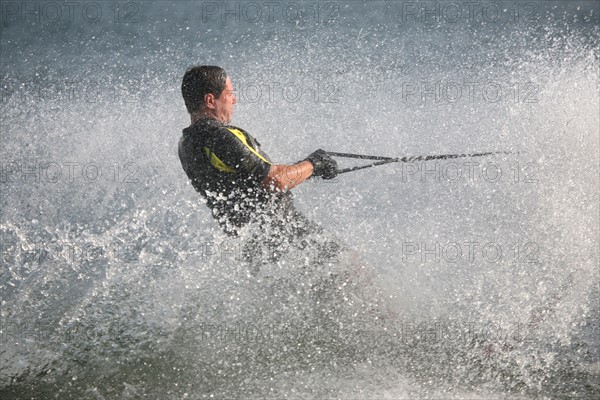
pixel 285 177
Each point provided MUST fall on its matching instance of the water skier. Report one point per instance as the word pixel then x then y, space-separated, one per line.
pixel 240 183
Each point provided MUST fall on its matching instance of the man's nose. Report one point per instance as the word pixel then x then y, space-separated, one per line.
pixel 234 99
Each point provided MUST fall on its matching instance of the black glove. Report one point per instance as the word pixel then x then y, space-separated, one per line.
pixel 323 165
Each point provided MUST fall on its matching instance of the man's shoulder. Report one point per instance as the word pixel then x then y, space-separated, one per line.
pixel 203 125
pixel 241 134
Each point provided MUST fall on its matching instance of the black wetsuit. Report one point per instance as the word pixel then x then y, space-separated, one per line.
pixel 227 166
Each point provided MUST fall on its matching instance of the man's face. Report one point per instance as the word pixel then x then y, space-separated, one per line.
pixel 224 104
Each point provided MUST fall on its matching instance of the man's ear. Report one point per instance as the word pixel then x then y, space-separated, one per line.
pixel 209 100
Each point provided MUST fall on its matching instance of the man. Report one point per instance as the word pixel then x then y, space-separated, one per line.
pixel 227 166
pixel 243 187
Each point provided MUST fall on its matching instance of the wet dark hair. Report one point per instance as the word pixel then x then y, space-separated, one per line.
pixel 199 81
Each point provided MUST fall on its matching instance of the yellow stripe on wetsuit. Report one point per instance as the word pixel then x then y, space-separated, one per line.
pixel 217 162
pixel 240 135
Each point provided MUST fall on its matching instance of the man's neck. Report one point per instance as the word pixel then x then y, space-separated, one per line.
pixel 198 115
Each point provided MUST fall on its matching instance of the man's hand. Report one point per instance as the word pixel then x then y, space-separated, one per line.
pixel 323 165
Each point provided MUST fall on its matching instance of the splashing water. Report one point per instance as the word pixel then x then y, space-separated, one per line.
pixel 481 276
